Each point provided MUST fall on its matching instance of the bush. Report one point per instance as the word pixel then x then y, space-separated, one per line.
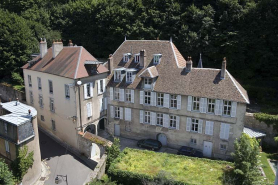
pixel 268 119
pixel 6 176
pixel 17 79
pixel 113 152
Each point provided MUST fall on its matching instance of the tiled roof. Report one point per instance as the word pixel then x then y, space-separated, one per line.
pixel 69 63
pixel 253 133
pixel 173 79
pixel 150 72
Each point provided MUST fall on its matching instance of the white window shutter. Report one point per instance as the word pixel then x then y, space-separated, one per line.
pixel 132 96
pixel 141 97
pixel 177 122
pixel 234 106
pixel 211 128
pixel 166 120
pixel 89 109
pixel 201 107
pixel 85 91
pixel 111 93
pixel 188 124
pixel 200 126
pixel 141 116
pixel 153 98
pixel 179 102
pixel 189 103
pixel 98 87
pixel 91 89
pixel 122 95
pixel 205 105
pixel 127 114
pixel 221 107
pixel 222 131
pixel 121 113
pixel 166 101
pixel 217 107
pixel 105 103
pixel 100 105
pixel 104 85
pixel 112 113
pixel 153 118
pixel 227 131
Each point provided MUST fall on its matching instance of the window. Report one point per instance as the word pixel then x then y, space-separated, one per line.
pixel 147 97
pixel 6 128
pixel 31 97
pixel 88 90
pixel 160 97
pixel 117 94
pixel 227 108
pixel 117 77
pixel 128 95
pixel 52 109
pixel 156 59
pixel 211 105
pixel 173 101
pixel 129 77
pixel 196 103
pixel 159 118
pixel 29 80
pixel 117 112
pixel 193 141
pixel 67 91
pixel 194 125
pixel 7 146
pixel 147 117
pixel 42 117
pixel 39 83
pixel 173 121
pixel 50 86
pixel 101 86
pixel 223 147
pixel 41 101
pixel 53 125
pixel 224 131
pixel 147 83
pixel 137 58
pixel 126 57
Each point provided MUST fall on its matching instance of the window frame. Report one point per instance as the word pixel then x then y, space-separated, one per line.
pixel 117 112
pixel 128 95
pixel 39 83
pixel 195 104
pixel 6 127
pixel 147 98
pixel 67 91
pixel 159 119
pixel 29 80
pixel 52 108
pixel 129 75
pixel 126 57
pixel 160 99
pixel 211 106
pixel 53 125
pixel 50 86
pixel 173 101
pixel 101 86
pixel 42 118
pixel 117 94
pixel 173 121
pixel 40 100
pixel 148 85
pixel 156 59
pixel 147 117
pixel 221 148
pixel 192 141
pixel 118 74
pixel 194 125
pixel 137 58
pixel 227 107
pixel 31 97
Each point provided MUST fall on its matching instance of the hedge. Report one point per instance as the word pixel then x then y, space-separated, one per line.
pixel 268 119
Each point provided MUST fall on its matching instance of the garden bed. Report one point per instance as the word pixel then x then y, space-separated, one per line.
pixel 133 166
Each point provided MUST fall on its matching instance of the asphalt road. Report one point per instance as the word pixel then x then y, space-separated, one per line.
pixel 63 162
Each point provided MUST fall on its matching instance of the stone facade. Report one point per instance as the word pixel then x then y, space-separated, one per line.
pixel 8 93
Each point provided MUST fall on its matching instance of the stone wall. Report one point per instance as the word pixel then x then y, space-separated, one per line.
pixel 7 92
pixel 99 171
pixel 251 122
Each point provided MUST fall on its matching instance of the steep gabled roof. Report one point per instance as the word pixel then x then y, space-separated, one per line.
pixel 173 79
pixel 69 63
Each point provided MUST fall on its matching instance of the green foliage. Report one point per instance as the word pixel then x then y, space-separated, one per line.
pixel 6 176
pixel 268 119
pixel 17 78
pixel 22 163
pixel 113 152
pixel 246 159
pixel 104 181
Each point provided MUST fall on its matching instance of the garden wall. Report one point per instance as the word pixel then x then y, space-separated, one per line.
pixel 8 92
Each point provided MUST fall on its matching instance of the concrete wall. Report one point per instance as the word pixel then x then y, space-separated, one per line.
pixel 181 137
pixel 7 92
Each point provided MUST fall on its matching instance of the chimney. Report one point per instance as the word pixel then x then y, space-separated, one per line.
pixel 17 102
pixel 56 47
pixel 142 60
pixel 223 70
pixel 43 47
pixel 110 63
pixel 189 64
pixel 70 43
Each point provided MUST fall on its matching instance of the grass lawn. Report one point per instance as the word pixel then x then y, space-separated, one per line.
pixel 180 168
pixel 265 165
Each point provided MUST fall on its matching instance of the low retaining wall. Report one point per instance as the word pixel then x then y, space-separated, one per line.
pixel 7 93
pixel 99 171
pixel 251 122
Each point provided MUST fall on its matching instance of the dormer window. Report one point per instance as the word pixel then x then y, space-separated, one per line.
pixel 148 83
pixel 130 75
pixel 137 58
pixel 156 58
pixel 126 57
pixel 117 76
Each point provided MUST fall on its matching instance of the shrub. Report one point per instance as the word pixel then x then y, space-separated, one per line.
pixel 113 152
pixel 268 119
pixel 6 176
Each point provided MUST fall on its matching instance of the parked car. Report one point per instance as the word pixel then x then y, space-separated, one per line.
pixel 149 144
pixel 189 151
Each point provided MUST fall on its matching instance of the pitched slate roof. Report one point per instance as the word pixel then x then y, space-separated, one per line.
pixel 173 79
pixel 69 63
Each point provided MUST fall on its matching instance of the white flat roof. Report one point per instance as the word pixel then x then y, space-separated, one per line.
pixel 253 133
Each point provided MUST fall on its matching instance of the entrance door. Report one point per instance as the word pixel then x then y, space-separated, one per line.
pixel 207 149
pixel 163 139
pixel 117 130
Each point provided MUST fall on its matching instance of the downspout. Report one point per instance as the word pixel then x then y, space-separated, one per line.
pixel 80 108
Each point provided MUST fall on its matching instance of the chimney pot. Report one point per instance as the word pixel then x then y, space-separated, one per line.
pixel 223 69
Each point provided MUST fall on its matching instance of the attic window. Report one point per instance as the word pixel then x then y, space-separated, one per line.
pixel 137 57
pixel 126 57
pixel 119 74
pixel 156 58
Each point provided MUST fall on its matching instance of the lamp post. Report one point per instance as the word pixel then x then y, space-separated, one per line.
pixel 79 83
pixel 62 176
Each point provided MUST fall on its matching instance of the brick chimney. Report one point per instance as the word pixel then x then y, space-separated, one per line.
pixel 143 56
pixel 223 69
pixel 189 64
pixel 43 47
pixel 110 63
pixel 56 47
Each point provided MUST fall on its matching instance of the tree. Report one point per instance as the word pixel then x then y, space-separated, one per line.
pixel 246 159
pixel 6 176
pixel 113 152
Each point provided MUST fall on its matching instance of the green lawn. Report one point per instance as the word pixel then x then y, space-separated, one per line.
pixel 180 168
pixel 265 165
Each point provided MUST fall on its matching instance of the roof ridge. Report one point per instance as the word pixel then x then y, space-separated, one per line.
pixel 77 67
pixel 119 47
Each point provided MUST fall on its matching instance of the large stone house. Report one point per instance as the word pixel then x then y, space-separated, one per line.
pixel 155 93
pixel 19 128
pixel 66 85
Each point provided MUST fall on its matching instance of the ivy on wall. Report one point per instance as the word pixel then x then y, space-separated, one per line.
pixel 268 119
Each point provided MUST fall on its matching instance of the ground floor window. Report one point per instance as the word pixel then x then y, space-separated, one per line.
pixel 193 141
pixel 147 117
pixel 194 125
pixel 117 112
pixel 223 147
pixel 159 119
